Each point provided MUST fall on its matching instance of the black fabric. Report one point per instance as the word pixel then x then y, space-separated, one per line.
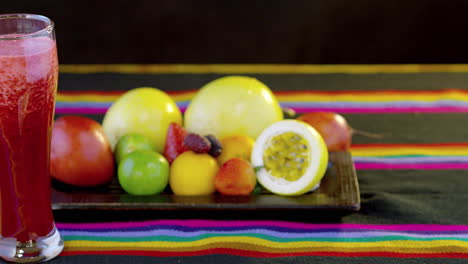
pixel 336 82
pixel 388 197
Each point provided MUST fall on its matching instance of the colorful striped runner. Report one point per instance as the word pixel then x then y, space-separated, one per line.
pixel 366 157
pixel 264 239
pixel 346 102
pixel 410 156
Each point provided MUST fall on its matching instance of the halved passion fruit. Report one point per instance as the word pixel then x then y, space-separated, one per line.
pixel 290 158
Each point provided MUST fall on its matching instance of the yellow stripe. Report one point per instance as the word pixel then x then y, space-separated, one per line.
pixel 375 152
pixel 262 68
pixel 419 97
pixel 161 245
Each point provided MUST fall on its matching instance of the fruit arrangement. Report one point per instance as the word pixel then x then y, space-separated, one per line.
pixel 234 140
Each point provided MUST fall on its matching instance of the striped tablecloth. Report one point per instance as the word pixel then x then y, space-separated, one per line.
pixel 410 150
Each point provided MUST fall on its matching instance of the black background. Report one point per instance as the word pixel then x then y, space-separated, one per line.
pixel 256 31
pixel 312 31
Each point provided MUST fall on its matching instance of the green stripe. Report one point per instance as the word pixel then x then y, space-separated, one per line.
pixel 262 236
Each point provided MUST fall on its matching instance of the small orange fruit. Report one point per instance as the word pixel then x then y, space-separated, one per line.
pixel 235 177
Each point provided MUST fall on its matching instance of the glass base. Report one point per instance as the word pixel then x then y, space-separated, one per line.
pixel 42 249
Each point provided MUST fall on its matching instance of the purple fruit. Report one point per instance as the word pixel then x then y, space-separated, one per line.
pixel 216 147
pixel 197 143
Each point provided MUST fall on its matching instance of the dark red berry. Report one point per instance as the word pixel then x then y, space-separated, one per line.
pixel 216 147
pixel 197 143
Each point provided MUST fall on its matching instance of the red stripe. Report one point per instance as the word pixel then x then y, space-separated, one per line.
pixel 382 110
pixel 373 92
pixel 182 92
pixel 409 166
pixel 428 145
pixel 256 254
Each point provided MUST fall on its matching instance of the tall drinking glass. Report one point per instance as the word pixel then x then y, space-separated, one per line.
pixel 28 84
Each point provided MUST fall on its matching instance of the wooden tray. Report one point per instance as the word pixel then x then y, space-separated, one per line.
pixel 339 190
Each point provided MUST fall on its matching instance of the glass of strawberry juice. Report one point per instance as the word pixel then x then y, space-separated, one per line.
pixel 28 84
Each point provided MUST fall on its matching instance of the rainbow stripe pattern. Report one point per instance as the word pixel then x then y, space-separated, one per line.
pixel 268 239
pixel 164 238
pixel 345 102
pixel 372 156
pixel 410 156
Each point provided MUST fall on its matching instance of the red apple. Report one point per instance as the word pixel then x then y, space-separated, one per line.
pixel 332 127
pixel 80 152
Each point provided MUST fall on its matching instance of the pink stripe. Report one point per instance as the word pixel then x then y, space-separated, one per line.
pixel 87 110
pixel 383 110
pixel 82 111
pixel 210 223
pixel 355 110
pixel 414 166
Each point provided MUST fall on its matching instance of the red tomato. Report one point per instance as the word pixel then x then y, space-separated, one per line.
pixel 80 153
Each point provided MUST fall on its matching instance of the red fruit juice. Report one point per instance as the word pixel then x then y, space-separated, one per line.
pixel 28 83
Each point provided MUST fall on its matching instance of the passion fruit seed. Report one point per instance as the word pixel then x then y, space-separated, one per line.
pixel 287 156
pixel 290 157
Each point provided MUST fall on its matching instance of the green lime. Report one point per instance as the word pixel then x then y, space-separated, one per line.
pixel 143 172
pixel 130 143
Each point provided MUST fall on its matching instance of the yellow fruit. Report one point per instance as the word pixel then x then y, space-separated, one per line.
pixel 290 158
pixel 193 174
pixel 234 105
pixel 235 147
pixel 147 111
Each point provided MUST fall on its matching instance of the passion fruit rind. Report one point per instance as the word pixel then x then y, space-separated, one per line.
pixel 290 158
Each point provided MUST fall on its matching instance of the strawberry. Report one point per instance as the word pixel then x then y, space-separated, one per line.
pixel 174 142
